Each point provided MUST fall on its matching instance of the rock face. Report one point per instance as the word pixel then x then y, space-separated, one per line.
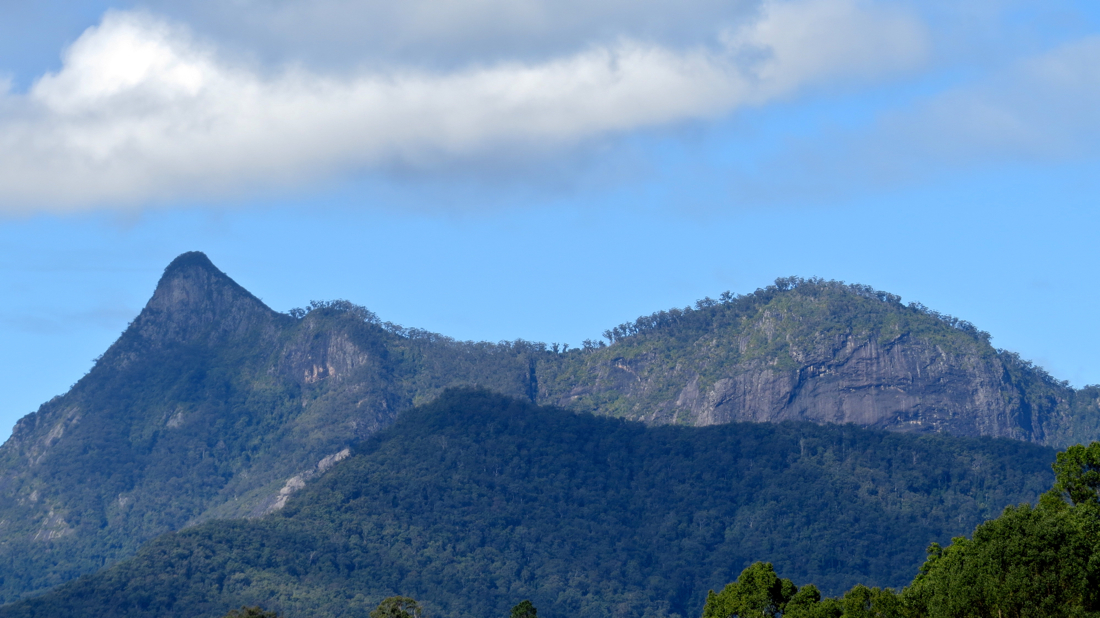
pixel 196 300
pixel 826 353
pixel 900 385
pixel 212 405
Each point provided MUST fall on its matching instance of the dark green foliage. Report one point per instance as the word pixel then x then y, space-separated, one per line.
pixel 525 609
pixel 1028 562
pixel 1031 562
pixel 397 607
pixel 476 499
pixel 760 593
pixel 757 592
pixel 864 602
pixel 1039 561
pixel 1077 471
pixel 148 478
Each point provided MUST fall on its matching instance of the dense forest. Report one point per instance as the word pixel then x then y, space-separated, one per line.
pixel 476 501
pixel 1040 561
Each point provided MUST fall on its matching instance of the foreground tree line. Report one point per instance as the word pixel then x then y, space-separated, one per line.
pixel 1041 561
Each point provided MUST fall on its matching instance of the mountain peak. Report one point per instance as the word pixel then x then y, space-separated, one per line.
pixel 191 259
pixel 195 300
pixel 190 276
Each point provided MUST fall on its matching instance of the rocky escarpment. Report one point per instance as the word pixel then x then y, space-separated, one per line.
pixel 903 385
pixel 826 353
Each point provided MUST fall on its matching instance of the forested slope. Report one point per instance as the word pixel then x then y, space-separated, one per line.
pixel 476 501
pixel 209 404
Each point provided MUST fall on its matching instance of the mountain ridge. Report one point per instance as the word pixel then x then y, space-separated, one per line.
pixel 212 405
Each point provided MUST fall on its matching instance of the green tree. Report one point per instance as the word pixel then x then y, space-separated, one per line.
pixel 1027 562
pixel 1039 561
pixel 1077 471
pixel 807 603
pixel 524 610
pixel 758 592
pixel 397 607
pixel 864 602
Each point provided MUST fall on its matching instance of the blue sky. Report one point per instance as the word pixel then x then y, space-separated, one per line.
pixel 523 169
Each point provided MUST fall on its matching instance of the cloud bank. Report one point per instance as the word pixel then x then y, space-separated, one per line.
pixel 143 110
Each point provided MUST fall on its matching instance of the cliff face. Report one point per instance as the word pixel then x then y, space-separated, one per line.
pixel 195 301
pixel 825 353
pixel 901 385
pixel 212 405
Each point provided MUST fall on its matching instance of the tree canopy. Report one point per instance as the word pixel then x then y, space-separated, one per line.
pixel 397 607
pixel 1031 562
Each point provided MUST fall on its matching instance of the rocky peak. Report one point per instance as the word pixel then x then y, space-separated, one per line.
pixel 194 300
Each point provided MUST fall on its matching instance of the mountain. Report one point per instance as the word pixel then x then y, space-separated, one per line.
pixel 477 501
pixel 824 352
pixel 212 405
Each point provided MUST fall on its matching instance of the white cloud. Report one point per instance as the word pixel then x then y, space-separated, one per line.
pixel 142 110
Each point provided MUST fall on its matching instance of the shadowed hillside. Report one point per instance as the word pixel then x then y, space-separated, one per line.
pixel 477 501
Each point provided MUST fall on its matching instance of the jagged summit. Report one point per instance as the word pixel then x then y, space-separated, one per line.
pixel 191 259
pixel 195 266
pixel 194 299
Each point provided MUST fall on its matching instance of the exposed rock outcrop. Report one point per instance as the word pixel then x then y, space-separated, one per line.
pixel 194 301
pixel 298 481
pixel 871 362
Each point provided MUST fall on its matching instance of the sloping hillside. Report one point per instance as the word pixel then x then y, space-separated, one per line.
pixel 476 501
